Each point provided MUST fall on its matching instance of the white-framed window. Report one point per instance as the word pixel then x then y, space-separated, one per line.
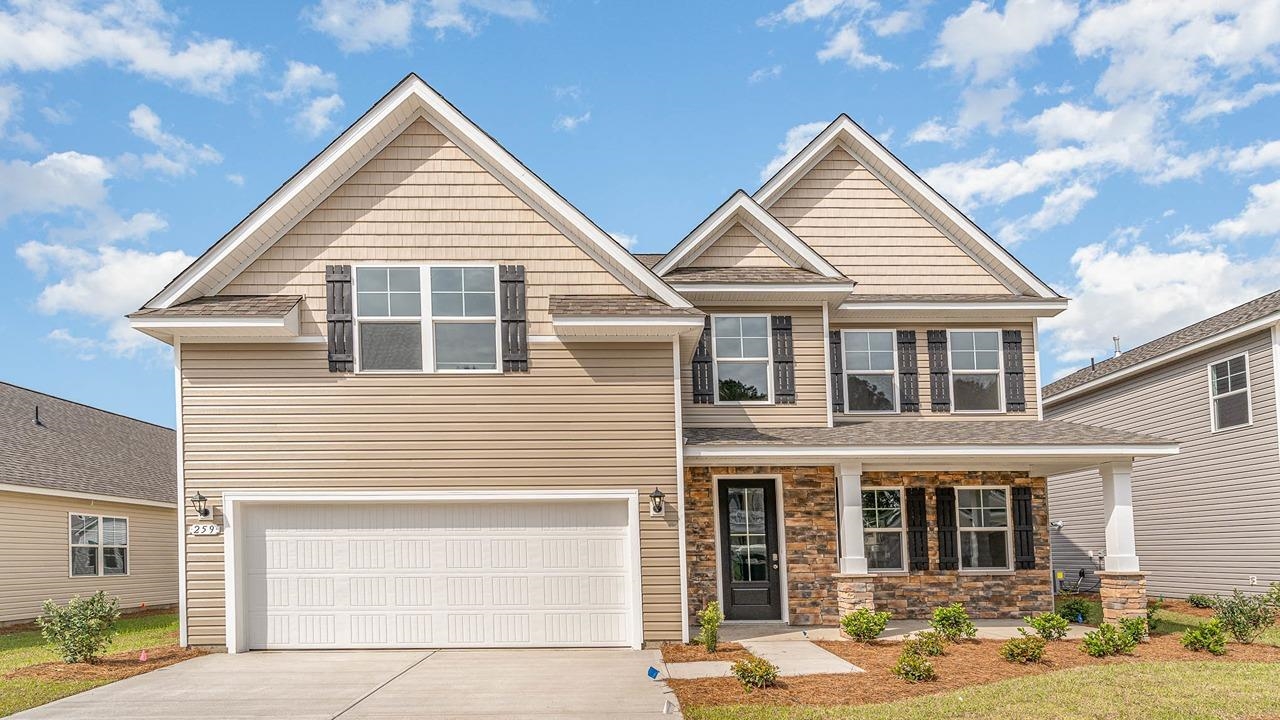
pixel 976 367
pixel 870 371
pixel 884 530
pixel 743 358
pixel 1229 393
pixel 99 545
pixel 438 318
pixel 982 516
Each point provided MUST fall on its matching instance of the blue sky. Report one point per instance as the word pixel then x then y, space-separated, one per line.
pixel 1126 151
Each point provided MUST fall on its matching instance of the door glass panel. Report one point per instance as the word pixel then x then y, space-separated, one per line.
pixel 748 547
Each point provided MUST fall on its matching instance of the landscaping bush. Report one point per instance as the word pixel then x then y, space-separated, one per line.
pixel 953 623
pixel 913 667
pixel 1273 594
pixel 755 673
pixel 1200 601
pixel 709 620
pixel 1245 616
pixel 1210 636
pixel 1135 627
pixel 1107 640
pixel 926 642
pixel 1049 625
pixel 1073 608
pixel 1026 649
pixel 81 630
pixel 864 625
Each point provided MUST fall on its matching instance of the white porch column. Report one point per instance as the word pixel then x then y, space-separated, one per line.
pixel 1117 497
pixel 853 555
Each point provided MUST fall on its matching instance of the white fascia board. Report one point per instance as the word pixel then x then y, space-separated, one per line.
pixel 911 451
pixel 1048 306
pixel 93 497
pixel 210 322
pixel 382 496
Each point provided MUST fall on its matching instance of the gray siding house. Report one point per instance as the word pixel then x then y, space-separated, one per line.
pixel 1206 520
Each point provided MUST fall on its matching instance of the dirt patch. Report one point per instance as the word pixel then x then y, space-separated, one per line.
pixel 725 652
pixel 115 666
pixel 965 665
pixel 1182 607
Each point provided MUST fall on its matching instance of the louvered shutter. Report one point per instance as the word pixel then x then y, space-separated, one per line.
pixel 948 533
pixel 784 361
pixel 939 372
pixel 837 372
pixel 338 314
pixel 908 373
pixel 514 319
pixel 1024 531
pixel 703 383
pixel 1014 392
pixel 917 529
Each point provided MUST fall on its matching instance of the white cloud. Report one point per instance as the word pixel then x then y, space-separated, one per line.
pixel 800 11
pixel 626 240
pixel 897 22
pixel 846 45
pixel 932 130
pixel 60 181
pixel 175 155
pixel 1261 214
pixel 1059 208
pixel 979 107
pixel 136 35
pixel 317 115
pixel 765 73
pixel 1223 104
pixel 468 15
pixel 361 25
pixel 303 80
pixel 235 179
pixel 1255 157
pixel 988 44
pixel 56 116
pixel 797 137
pixel 570 92
pixel 569 123
pixel 10 96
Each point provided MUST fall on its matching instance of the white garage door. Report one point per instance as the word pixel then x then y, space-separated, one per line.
pixel 441 574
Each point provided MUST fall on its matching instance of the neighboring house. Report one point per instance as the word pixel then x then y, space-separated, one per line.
pixel 87 503
pixel 1207 520
pixel 432 404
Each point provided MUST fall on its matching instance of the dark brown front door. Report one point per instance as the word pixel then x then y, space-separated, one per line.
pixel 749 550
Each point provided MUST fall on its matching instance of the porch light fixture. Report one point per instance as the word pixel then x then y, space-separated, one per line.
pixel 198 502
pixel 657 503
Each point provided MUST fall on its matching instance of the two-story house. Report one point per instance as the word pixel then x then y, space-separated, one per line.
pixel 427 402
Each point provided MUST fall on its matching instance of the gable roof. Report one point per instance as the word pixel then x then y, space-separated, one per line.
pixel 408 101
pixel 844 132
pixel 1250 317
pixel 741 208
pixel 84 450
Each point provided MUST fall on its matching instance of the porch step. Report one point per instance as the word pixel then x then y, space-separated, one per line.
pixel 799 657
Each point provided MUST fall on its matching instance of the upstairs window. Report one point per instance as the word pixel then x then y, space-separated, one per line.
pixel 870 371
pixel 740 346
pixel 975 370
pixel 99 546
pixel 1229 393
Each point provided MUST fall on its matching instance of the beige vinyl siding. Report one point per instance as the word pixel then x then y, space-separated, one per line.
pixel 589 415
pixel 1029 389
pixel 35 548
pixel 1205 519
pixel 871 234
pixel 738 247
pixel 810 408
pixel 422 199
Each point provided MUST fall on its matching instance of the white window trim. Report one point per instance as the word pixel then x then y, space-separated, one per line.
pixel 999 371
pixel 1248 393
pixel 902 504
pixel 715 359
pixel 1008 532
pixel 128 561
pixel 846 372
pixel 426 320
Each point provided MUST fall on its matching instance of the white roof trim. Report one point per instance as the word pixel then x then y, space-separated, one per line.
pixel 976 307
pixel 483 148
pixel 740 207
pixel 77 495
pixel 859 143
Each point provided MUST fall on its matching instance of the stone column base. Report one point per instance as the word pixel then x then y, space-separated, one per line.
pixel 854 591
pixel 1124 595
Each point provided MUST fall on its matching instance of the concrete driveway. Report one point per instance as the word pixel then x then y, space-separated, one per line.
pixel 383 684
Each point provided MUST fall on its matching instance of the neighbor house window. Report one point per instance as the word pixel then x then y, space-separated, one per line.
pixel 741 350
pixel 455 329
pixel 870 371
pixel 975 370
pixel 1229 389
pixel 99 545
pixel 984 528
pixel 883 531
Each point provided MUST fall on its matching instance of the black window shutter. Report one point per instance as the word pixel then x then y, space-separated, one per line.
pixel 1014 393
pixel 948 534
pixel 908 373
pixel 514 318
pixel 939 372
pixel 1024 531
pixel 784 361
pixel 917 529
pixel 703 384
pixel 338 310
pixel 837 372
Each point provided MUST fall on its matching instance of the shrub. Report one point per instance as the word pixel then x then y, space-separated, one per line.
pixel 1026 649
pixel 913 667
pixel 1200 601
pixel 926 642
pixel 1245 616
pixel 709 620
pixel 1049 625
pixel 1210 636
pixel 1137 628
pixel 1107 640
pixel 81 630
pixel 755 673
pixel 864 625
pixel 1273 594
pixel 1073 608
pixel 953 623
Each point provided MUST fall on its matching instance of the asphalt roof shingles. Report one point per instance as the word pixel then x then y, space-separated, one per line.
pixel 227 306
pixel 931 433
pixel 616 305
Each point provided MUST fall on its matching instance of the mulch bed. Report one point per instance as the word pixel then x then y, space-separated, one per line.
pixel 1182 607
pixel 725 652
pixel 115 666
pixel 966 664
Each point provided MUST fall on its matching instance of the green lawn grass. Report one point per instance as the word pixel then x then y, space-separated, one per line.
pixel 21 649
pixel 1168 621
pixel 1130 691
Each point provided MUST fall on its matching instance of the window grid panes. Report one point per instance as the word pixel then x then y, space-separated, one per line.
pixel 870 369
pixel 1229 389
pixel 975 370
pixel 983 519
pixel 464 318
pixel 99 545
pixel 748 536
pixel 883 529
pixel 741 345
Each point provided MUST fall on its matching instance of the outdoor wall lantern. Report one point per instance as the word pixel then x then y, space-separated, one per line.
pixel 199 502
pixel 657 503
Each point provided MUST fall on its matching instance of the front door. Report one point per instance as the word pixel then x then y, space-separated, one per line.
pixel 749 550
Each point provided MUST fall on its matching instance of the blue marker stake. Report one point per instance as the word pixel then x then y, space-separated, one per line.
pixel 653 673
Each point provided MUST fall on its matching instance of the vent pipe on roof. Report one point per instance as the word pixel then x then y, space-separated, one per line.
pixel 1092 364
pixel 1116 339
pixel 38 423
